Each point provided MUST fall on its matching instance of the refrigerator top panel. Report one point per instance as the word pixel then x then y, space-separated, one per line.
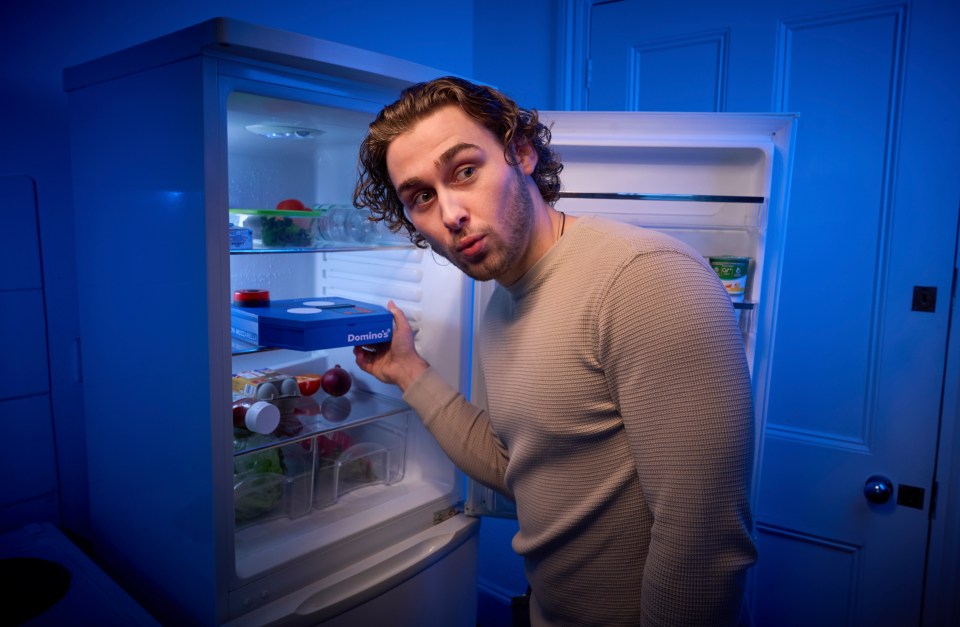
pixel 230 38
pixel 670 129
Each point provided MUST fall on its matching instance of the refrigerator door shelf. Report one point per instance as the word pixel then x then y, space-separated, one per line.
pixel 698 211
pixel 404 572
pixel 687 213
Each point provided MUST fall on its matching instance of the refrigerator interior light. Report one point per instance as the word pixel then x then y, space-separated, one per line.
pixel 274 131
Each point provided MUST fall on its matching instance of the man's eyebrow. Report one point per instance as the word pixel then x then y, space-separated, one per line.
pixel 445 158
pixel 452 152
pixel 402 187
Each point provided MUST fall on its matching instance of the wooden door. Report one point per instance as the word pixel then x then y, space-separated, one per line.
pixel 851 387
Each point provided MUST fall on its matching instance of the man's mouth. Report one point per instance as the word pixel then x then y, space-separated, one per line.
pixel 470 246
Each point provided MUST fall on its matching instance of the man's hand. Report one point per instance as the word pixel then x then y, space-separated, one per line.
pixel 397 362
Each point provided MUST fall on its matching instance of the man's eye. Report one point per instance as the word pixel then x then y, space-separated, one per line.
pixel 421 198
pixel 466 173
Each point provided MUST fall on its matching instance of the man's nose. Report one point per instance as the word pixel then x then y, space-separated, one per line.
pixel 453 212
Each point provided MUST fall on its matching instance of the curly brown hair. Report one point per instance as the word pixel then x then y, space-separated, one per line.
pixel 498 113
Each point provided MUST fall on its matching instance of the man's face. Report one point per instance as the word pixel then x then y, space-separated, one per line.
pixel 460 193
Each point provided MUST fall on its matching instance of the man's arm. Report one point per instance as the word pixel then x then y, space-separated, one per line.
pixel 461 428
pixel 675 362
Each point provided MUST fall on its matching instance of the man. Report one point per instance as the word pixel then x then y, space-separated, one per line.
pixel 620 411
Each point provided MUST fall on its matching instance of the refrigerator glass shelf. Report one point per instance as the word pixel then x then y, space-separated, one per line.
pixel 239 347
pixel 320 414
pixel 325 248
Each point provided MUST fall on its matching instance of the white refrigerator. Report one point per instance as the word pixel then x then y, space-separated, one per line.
pixel 348 512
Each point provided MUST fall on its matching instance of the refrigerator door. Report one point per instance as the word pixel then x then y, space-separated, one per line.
pixel 716 181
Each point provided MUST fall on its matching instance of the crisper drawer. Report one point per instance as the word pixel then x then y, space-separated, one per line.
pixel 351 459
pixel 291 480
pixel 273 483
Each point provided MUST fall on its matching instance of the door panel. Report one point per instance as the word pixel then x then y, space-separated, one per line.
pixel 838 564
pixel 840 208
pixel 852 382
pixel 699 89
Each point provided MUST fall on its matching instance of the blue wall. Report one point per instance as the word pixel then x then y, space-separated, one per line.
pixel 43 422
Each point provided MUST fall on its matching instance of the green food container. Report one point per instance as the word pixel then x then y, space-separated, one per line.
pixel 733 271
pixel 279 229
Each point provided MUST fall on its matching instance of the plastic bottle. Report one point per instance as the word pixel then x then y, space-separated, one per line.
pixel 343 223
pixel 257 416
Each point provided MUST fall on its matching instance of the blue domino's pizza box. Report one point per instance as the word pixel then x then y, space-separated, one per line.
pixel 312 323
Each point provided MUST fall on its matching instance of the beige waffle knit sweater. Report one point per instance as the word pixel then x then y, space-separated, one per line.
pixel 620 420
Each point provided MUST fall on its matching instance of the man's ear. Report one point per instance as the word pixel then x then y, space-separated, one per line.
pixel 526 157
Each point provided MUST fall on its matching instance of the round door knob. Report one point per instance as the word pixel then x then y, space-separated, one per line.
pixel 878 489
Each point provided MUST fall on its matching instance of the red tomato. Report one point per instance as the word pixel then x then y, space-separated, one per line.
pixel 291 204
pixel 309 384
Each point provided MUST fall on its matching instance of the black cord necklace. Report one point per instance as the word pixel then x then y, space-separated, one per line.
pixel 563 224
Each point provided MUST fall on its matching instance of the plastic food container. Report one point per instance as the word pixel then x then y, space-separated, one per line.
pixel 273 483
pixel 733 271
pixel 273 229
pixel 315 473
pixel 258 495
pixel 240 238
pixel 355 458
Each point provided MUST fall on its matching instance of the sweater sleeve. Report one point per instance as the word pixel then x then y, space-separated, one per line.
pixel 461 428
pixel 675 366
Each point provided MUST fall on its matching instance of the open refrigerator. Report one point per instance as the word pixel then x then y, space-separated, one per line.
pixel 348 512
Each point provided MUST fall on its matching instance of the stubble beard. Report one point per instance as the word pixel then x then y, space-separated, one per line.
pixel 507 248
